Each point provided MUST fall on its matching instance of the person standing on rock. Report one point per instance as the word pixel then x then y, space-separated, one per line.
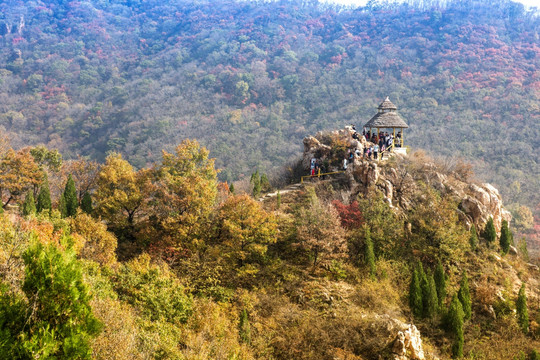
pixel 376 152
pixel 381 145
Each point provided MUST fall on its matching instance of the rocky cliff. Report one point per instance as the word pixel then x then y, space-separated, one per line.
pixel 399 176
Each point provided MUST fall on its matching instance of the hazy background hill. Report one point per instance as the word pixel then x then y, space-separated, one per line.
pixel 251 79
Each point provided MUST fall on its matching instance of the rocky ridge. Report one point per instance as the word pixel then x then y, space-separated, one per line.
pixel 397 177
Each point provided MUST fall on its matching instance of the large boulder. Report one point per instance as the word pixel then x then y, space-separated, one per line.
pixel 391 338
pixel 313 148
pixel 408 345
pixel 482 202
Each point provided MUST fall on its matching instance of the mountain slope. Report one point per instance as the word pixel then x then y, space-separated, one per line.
pixel 251 79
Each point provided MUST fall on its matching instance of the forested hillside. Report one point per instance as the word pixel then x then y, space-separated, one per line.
pixel 399 259
pixel 251 79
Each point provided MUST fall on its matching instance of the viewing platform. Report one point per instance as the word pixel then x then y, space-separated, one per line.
pixel 333 152
pixel 387 118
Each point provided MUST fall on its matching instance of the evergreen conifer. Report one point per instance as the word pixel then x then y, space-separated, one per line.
pixel 534 355
pixel 62 206
pixel 504 240
pixel 265 183
pixel 86 203
pixel 522 311
pixel 278 199
pixel 44 197
pixel 455 321
pixel 256 182
pixel 421 272
pixel 490 234
pixel 440 283
pixel 429 295
pixel 231 188
pixel 29 205
pixel 1 208
pixel 465 296
pixel 62 324
pixel 244 329
pixel 369 254
pixel 415 294
pixel 473 239
pixel 431 302
pixel 70 202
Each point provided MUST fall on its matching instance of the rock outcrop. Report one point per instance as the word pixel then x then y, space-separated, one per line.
pixel 408 345
pixel 477 202
pixel 391 338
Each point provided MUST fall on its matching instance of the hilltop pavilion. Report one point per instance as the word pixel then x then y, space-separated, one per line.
pixel 387 118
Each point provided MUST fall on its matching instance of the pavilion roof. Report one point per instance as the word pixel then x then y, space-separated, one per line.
pixel 386 120
pixel 387 117
pixel 387 105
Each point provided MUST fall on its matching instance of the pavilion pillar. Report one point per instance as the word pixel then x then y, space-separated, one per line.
pixel 394 142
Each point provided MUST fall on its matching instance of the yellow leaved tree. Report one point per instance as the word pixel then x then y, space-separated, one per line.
pixel 122 195
pixel 18 174
pixel 243 231
pixel 185 194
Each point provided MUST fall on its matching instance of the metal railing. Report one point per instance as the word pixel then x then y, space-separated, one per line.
pixel 318 175
pixel 388 149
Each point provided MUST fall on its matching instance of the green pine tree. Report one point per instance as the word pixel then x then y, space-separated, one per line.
pixel 62 324
pixel 473 239
pixel 465 296
pixel 244 329
pixel 369 255
pixel 415 294
pixel 44 197
pixel 256 182
pixel 421 272
pixel 265 183
pixel 431 303
pixel 70 202
pixel 455 321
pixel 522 311
pixel 504 240
pixel 440 283
pixel 231 188
pixel 86 203
pixel 278 199
pixel 534 355
pixel 1 208
pixel 29 205
pixel 490 234
pixel 62 206
pixel 429 296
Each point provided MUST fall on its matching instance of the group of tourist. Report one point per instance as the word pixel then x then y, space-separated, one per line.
pixel 380 144
pixel 384 142
pixel 316 167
